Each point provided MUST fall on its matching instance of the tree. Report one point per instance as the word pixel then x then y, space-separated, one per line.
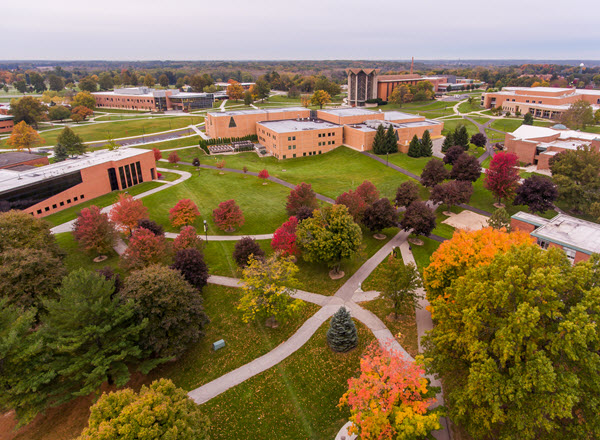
pixel 479 140
pixel 106 82
pixel 466 167
pixel 261 89
pixel 94 232
pixel 502 177
pixel 173 308
pixel 434 173
pixel 391 398
pixel 245 249
pixel 173 157
pixel 157 154
pixel 453 153
pixel 20 85
pixel 284 238
pixel 163 81
pixel 414 148
pixel 92 334
pixel 407 193
pixel 82 111
pixel 418 218
pixel 235 91
pixel 152 226
pixel 149 80
pixel 84 99
pixel 60 153
pixel 330 236
pixel 341 335
pixel 166 411
pixel 190 263
pixel 185 212
pixel 500 219
pixel 71 142
pixel 248 98
pixel 426 145
pixel 520 358
pixel 304 212
pixel 228 216
pixel 379 142
pixel 301 195
pixel 37 82
pixel 537 192
pixel 23 136
pixel 88 84
pixel 58 113
pixel 127 212
pixel 466 249
pixel 461 137
pixel 264 175
pixel 579 115
pixel 452 193
pixel 528 119
pixel 187 239
pixel 320 98
pixel 21 230
pixel 448 142
pixel 391 140
pixel 368 192
pixel 399 284
pixel 144 249
pixel 576 173
pixel 399 94
pixel 380 215
pixel 28 276
pixel 354 202
pixel 266 286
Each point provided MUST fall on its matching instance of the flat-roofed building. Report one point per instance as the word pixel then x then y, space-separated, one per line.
pixel 578 238
pixel 537 145
pixel 143 98
pixel 352 115
pixel 45 190
pixel 292 138
pixel 21 160
pixel 6 123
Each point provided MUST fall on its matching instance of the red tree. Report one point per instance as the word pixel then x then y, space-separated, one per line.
pixel 157 154
pixel 284 238
pixel 187 238
pixel 368 192
pixel 264 174
pixel 354 202
pixel 144 249
pixel 94 232
pixel 502 177
pixel 185 212
pixel 173 157
pixel 228 216
pixel 302 195
pixel 127 212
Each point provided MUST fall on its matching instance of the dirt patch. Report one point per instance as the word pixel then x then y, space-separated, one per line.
pixel 467 221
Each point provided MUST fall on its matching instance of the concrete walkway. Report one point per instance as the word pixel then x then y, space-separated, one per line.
pixel 225 237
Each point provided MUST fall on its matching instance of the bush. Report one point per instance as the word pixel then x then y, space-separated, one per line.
pixel 188 239
pixel 152 226
pixel 341 335
pixel 196 162
pixel 244 248
pixel 407 193
pixel 190 263
pixel 184 213
pixel 94 232
pixel 173 157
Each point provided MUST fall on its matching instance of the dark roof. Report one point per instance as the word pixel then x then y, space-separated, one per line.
pixel 13 158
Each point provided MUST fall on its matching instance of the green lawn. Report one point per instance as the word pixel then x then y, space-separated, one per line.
pixel 102 201
pixel 450 125
pixel 169 177
pixel 423 253
pixel 413 164
pixel 76 259
pixel 506 125
pixel 297 399
pixel 465 107
pixel 187 154
pixel 442 229
pixel 479 119
pixel 173 143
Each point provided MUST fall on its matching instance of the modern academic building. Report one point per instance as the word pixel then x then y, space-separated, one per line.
pixel 578 238
pixel 44 190
pixel 537 145
pixel 297 132
pixel 541 102
pixel 6 123
pixel 143 98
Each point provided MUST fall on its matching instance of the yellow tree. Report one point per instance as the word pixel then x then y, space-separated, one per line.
pixel 305 101
pixel 23 136
pixel 235 91
pixel 320 98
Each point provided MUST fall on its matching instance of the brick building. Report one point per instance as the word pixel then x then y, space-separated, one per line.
pixel 21 161
pixel 578 238
pixel 143 98
pixel 45 190
pixel 537 145
pixel 6 123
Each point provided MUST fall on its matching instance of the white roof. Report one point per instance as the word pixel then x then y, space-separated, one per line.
pixel 540 89
pixel 571 232
pixel 350 111
pixel 258 111
pixel 533 132
pixel 10 179
pixel 393 115
pixel 291 125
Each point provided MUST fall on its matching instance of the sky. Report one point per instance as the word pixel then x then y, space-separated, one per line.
pixel 307 29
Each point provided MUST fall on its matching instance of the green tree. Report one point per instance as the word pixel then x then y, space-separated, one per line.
pixel 329 236
pixel 341 335
pixel 448 142
pixel 149 80
pixel 58 113
pixel 499 219
pixel 579 115
pixel 163 80
pixel 520 359
pixel 320 98
pixel 37 82
pixel 106 81
pixel 528 119
pixel 461 137
pixel 391 140
pixel 88 84
pixel 414 149
pixel 159 411
pixel 426 144
pixel 21 230
pixel 60 153
pixel 56 83
pixel 84 99
pixel 28 109
pixel 399 284
pixel 261 88
pixel 379 142
pixel 247 98
pixel 72 143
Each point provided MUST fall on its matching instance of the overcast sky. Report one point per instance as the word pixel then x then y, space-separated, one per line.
pixel 307 29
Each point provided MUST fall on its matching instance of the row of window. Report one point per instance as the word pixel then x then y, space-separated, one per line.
pixel 310 153
pixel 327 134
pixel 54 206
pixel 328 143
pixel 291 138
pixel 570 252
pixel 291 147
pixel 130 175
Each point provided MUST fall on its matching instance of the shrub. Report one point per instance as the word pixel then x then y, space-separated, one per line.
pixel 196 162
pixel 341 335
pixel 264 174
pixel 157 154
pixel 188 239
pixel 244 248
pixel 190 263
pixel 94 232
pixel 173 157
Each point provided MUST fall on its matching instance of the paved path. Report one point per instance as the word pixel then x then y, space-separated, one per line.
pixel 225 237
pixel 200 132
pixel 222 106
pixel 391 165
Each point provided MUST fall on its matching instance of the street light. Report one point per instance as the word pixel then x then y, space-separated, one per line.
pixel 206 231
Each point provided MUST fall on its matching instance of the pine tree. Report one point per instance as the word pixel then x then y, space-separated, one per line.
pixel 461 137
pixel 414 149
pixel 379 143
pixel 426 145
pixel 528 119
pixel 391 140
pixel 72 143
pixel 60 153
pixel 448 142
pixel 341 335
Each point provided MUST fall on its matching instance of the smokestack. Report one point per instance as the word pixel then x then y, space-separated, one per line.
pixel 412 63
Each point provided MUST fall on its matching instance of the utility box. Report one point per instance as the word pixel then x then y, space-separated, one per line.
pixel 219 344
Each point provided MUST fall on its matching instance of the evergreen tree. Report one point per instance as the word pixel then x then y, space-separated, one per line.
pixel 448 142
pixel 461 137
pixel 528 119
pixel 341 335
pixel 391 141
pixel 414 149
pixel 60 153
pixel 72 143
pixel 379 143
pixel 426 145
pixel 500 219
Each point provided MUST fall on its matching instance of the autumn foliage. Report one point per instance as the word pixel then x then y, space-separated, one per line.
pixel 173 157
pixel 127 212
pixel 284 238
pixel 23 136
pixel 144 249
pixel 368 192
pixel 94 231
pixel 187 238
pixel 157 154
pixel 185 212
pixel 354 202
pixel 264 174
pixel 228 216
pixel 502 177
pixel 390 399
pixel 302 195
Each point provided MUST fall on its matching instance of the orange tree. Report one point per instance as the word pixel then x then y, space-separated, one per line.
pixel 23 136
pixel 184 213
pixel 127 212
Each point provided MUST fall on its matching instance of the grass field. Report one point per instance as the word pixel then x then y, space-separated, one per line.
pixel 506 125
pixel 413 164
pixel 465 107
pixel 76 259
pixel 173 143
pixel 452 124
pixel 423 253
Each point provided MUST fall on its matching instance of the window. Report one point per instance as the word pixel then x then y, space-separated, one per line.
pixel 570 253
pixel 54 206
pixel 293 147
pixel 289 138
pixel 542 243
pixel 46 209
pixel 294 155
pixel 81 196
pixel 303 154
pixel 39 211
pixel 293 138
pixel 284 156
pixel 61 204
pixel 75 198
pixel 289 147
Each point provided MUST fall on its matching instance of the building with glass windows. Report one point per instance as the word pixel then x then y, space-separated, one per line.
pixel 143 98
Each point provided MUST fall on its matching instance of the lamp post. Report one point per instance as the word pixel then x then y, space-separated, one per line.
pixel 206 231
pixel 386 158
